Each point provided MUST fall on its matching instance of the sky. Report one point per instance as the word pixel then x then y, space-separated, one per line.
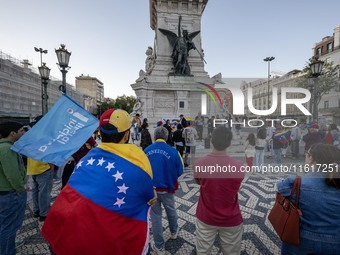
pixel 108 38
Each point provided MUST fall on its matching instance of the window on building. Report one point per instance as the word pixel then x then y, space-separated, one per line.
pixel 318 51
pixel 181 104
pixel 329 47
pixel 326 104
pixel 339 103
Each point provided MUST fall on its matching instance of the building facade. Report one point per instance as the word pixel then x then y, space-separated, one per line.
pixel 94 91
pixel 328 50
pixel 262 98
pixel 21 89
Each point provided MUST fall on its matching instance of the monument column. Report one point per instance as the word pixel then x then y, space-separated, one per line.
pixel 170 85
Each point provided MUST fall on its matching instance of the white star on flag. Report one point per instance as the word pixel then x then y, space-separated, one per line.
pixel 101 161
pixel 119 202
pixel 109 166
pixel 79 163
pixel 122 188
pixel 118 176
pixel 90 161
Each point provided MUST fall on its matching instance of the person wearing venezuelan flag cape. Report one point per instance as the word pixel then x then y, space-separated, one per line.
pixel 104 207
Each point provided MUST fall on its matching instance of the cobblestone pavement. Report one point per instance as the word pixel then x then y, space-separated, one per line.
pixel 256 197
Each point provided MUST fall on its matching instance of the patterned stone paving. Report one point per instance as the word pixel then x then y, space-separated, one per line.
pixel 256 197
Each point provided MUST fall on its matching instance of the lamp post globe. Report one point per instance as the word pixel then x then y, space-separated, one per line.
pixel 315 68
pixel 63 56
pixel 45 76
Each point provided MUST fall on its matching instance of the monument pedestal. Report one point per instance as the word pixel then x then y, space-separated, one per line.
pixel 174 96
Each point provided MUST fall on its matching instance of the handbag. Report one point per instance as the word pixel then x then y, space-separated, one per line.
pixel 285 215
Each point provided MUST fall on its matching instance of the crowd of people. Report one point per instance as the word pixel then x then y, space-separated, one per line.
pixel 278 141
pixel 118 185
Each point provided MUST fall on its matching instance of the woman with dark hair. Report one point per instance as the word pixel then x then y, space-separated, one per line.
pixel 319 202
pixel 145 137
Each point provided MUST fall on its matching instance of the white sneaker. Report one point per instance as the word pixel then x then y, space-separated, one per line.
pixel 158 251
pixel 174 235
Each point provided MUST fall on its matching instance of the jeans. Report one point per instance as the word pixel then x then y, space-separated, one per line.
pixel 259 158
pixel 41 192
pixel 168 201
pixel 137 133
pixel 277 154
pixel 310 247
pixel 12 212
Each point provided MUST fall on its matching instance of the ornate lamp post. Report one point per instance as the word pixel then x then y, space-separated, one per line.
pixel 45 76
pixel 268 59
pixel 316 68
pixel 63 56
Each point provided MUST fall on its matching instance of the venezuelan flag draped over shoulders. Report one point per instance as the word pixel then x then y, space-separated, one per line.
pixel 283 136
pixel 103 209
pixel 59 134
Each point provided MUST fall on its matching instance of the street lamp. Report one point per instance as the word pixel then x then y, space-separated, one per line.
pixel 63 56
pixel 316 68
pixel 268 59
pixel 45 76
pixel 41 52
pixel 44 81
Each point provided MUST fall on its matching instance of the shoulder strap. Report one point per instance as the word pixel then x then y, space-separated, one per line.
pixel 296 187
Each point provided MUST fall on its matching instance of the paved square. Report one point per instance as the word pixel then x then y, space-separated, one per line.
pixel 256 196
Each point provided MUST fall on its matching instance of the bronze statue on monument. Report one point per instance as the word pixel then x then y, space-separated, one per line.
pixel 181 46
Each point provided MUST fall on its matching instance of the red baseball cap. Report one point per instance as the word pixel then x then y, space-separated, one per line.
pixel 118 118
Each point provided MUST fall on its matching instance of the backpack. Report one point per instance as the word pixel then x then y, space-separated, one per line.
pixel 177 136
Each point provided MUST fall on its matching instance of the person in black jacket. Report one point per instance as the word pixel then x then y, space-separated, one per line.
pixel 179 140
pixel 145 137
pixel 183 121
pixel 168 127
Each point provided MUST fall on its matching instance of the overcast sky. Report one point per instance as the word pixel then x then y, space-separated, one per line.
pixel 108 38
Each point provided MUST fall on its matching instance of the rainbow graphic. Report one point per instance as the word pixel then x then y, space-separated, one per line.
pixel 208 92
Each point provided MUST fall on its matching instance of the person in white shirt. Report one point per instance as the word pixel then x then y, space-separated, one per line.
pixel 295 137
pixel 190 135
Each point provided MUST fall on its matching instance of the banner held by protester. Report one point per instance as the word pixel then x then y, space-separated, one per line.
pixel 60 133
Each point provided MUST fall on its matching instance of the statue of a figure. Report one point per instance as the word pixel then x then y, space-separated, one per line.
pixel 181 47
pixel 149 64
pixel 150 60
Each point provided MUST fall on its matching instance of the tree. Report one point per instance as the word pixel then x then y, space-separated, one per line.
pixel 121 102
pixel 326 82
pixel 125 103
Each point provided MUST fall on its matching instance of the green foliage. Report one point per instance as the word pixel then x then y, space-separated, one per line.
pixel 125 102
pixel 328 79
pixel 121 102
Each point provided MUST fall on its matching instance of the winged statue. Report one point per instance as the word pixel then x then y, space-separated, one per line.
pixel 181 45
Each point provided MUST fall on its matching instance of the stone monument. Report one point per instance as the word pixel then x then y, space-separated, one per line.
pixel 170 85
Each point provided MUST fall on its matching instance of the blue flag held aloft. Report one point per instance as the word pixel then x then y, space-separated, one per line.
pixel 59 134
